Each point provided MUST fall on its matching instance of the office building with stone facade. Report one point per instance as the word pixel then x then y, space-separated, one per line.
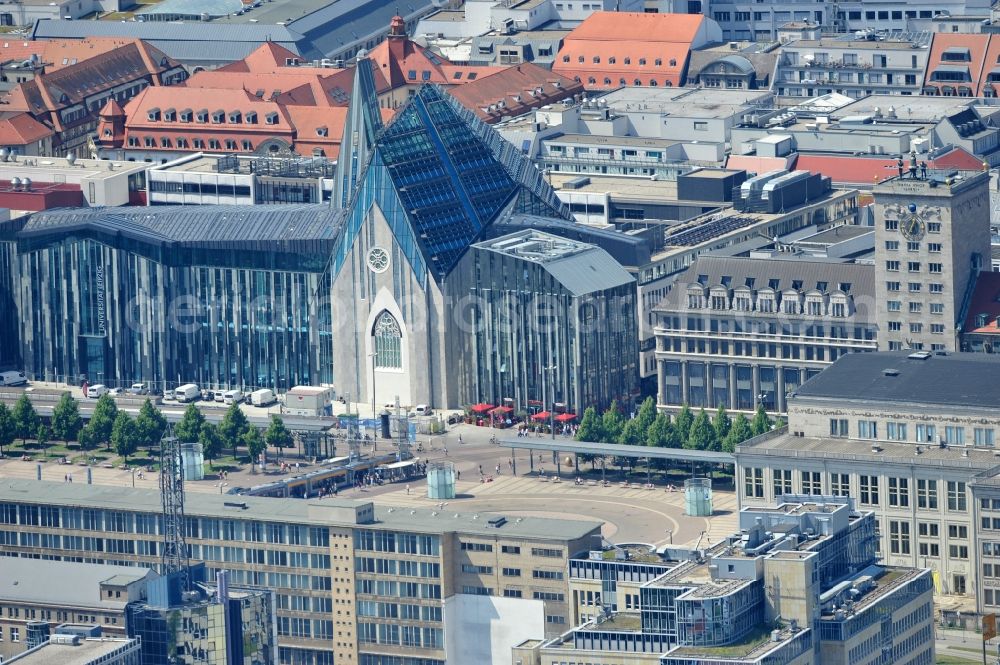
pixel 738 332
pixel 799 583
pixel 911 437
pixel 932 239
pixel 353 582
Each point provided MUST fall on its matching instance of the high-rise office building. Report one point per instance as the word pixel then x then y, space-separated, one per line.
pixel 932 238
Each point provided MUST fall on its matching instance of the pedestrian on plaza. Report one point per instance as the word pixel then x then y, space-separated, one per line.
pixel 498 468
pixel 407 489
pixel 446 451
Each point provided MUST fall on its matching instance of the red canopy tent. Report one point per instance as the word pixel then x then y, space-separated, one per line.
pixel 501 410
pixel 481 408
pixel 566 417
pixel 541 415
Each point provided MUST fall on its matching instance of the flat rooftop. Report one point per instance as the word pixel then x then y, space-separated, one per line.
pixel 43 169
pixel 836 234
pixel 923 108
pixel 36 581
pixel 335 512
pixel 911 378
pixel 87 651
pixel 890 580
pixel 702 103
pixel 782 444
pixel 753 645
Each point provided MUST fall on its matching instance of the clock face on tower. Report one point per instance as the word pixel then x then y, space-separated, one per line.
pixel 912 227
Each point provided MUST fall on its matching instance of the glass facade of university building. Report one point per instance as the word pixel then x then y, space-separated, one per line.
pixel 221 297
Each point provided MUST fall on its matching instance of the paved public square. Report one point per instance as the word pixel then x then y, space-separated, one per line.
pixel 631 514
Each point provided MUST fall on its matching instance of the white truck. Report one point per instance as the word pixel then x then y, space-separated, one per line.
pixel 308 401
pixel 13 379
pixel 263 397
pixel 189 392
pixel 97 390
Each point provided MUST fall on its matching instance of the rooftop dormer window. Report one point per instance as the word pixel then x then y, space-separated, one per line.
pixel 170 115
pixel 235 117
pixel 271 118
pixel 250 118
pixel 202 115
pixel 322 131
pixel 185 115
pixel 153 114
pixel 218 117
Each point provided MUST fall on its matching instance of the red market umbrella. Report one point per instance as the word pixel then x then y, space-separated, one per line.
pixel 566 417
pixel 481 408
pixel 501 410
pixel 541 415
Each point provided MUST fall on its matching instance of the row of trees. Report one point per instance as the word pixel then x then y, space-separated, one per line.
pixel 114 428
pixel 685 430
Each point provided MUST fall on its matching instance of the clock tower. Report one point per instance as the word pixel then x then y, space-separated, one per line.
pixel 932 237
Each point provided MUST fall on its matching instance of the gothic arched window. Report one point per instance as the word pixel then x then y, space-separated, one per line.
pixel 388 342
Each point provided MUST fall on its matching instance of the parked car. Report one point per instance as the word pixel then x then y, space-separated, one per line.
pixel 116 392
pixel 424 410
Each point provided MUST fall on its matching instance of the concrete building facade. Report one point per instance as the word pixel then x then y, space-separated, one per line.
pixel 932 239
pixel 353 582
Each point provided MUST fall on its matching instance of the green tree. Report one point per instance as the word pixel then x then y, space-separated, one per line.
pixel 254 443
pixel 590 426
pixel 66 421
pixel 85 437
pixel 211 441
pixel 682 423
pixel 26 421
pixel 738 433
pixel 150 424
pixel 661 433
pixel 721 424
pixel 277 434
pixel 702 434
pixel 7 429
pixel 779 423
pixel 42 436
pixel 233 426
pixel 103 420
pixel 761 422
pixel 633 433
pixel 647 414
pixel 612 423
pixel 124 435
pixel 189 428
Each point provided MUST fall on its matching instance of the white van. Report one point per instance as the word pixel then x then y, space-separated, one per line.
pixel 220 396
pixel 97 391
pixel 187 393
pixel 13 379
pixel 263 397
pixel 232 396
pixel 423 410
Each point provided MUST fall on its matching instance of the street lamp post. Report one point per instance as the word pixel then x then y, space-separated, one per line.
pixel 373 355
pixel 551 369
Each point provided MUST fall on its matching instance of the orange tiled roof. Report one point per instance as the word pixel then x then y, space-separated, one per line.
pixel 985 300
pixel 265 58
pixel 977 45
pixel 612 49
pixel 514 90
pixel 22 129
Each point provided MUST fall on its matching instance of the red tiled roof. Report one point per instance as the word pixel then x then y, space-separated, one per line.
pixel 985 300
pixel 755 164
pixel 611 49
pixel 978 46
pixel 513 91
pixel 866 171
pixel 21 129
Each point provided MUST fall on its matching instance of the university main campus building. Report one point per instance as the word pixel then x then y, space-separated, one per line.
pixel 425 279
